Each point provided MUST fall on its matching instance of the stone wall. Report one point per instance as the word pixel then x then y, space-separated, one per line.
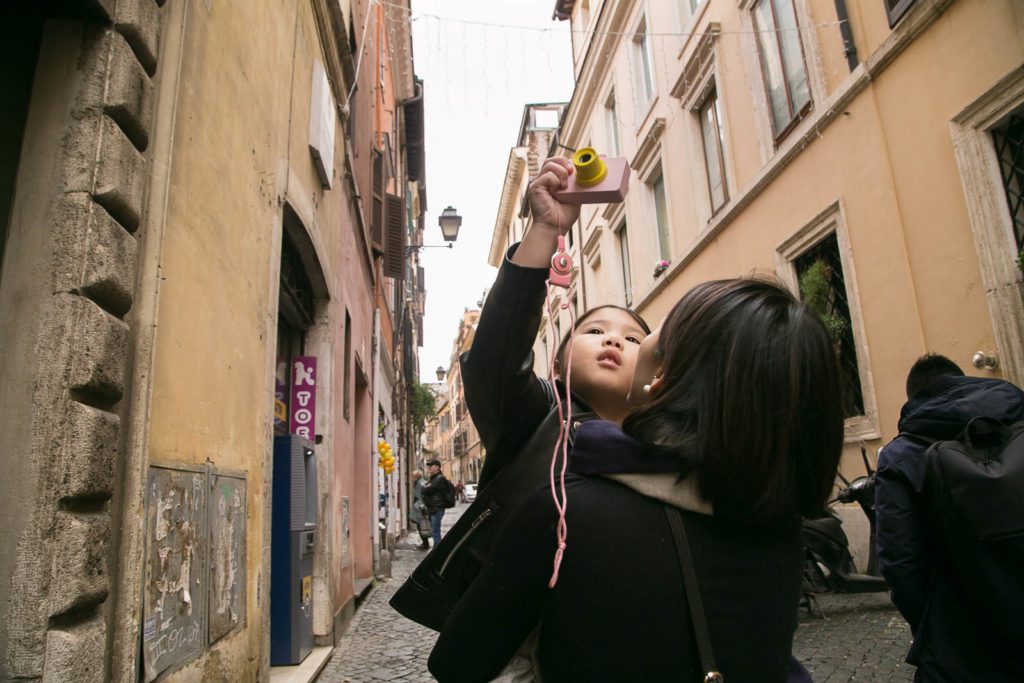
pixel 80 195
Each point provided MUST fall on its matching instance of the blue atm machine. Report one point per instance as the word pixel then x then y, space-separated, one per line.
pixel 291 550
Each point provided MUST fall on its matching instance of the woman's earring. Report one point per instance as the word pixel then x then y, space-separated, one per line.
pixel 647 388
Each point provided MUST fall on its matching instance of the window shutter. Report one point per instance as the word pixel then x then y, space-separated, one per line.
pixel 394 249
pixel 377 208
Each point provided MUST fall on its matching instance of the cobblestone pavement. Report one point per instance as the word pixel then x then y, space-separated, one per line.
pixel 860 637
pixel 380 644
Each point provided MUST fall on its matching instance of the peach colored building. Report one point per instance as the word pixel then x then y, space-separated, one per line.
pixel 869 148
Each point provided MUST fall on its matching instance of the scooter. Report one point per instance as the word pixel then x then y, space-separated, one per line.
pixel 828 564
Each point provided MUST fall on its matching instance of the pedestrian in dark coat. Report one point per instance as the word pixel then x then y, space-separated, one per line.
pixel 738 424
pixel 434 494
pixel 951 641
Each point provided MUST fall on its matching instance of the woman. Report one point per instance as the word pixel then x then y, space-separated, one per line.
pixel 513 409
pixel 738 423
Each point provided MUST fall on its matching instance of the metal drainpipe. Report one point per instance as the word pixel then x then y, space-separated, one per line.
pixel 849 48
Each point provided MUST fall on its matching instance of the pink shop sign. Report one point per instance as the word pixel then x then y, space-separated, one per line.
pixel 303 398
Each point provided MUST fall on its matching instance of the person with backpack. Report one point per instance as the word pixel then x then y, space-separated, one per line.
pixel 950 523
pixel 438 494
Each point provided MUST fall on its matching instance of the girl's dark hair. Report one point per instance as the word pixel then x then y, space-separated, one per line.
pixel 750 400
pixel 583 318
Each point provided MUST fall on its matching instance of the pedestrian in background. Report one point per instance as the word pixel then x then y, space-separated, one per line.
pixel 460 490
pixel 418 514
pixel 956 638
pixel 438 493
pixel 737 433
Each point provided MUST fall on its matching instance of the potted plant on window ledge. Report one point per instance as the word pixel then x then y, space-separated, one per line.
pixel 660 267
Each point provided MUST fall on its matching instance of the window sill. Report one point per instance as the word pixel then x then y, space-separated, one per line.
pixel 860 428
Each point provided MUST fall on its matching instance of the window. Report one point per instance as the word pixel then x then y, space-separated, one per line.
pixel 643 64
pixel 1009 144
pixel 627 277
pixel 782 63
pixel 895 9
pixel 545 119
pixel 822 283
pixel 689 6
pixel 657 186
pixel 714 156
pixel 612 124
pixel 585 14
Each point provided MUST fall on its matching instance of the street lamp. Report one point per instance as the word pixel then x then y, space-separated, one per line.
pixel 450 221
pixel 440 373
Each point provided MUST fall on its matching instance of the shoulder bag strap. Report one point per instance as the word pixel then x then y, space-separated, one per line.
pixel 700 624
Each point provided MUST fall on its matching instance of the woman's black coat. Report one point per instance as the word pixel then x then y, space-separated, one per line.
pixel 619 610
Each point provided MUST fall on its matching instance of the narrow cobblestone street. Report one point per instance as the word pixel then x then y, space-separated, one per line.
pixel 860 638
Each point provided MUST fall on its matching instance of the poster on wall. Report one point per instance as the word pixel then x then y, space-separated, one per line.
pixel 226 586
pixel 303 398
pixel 174 594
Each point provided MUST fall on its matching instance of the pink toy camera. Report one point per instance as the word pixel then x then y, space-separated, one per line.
pixel 597 180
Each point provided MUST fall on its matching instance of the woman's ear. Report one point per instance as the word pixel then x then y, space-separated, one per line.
pixel 656 381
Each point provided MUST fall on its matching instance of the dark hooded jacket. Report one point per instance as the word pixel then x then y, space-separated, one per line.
pixel 950 642
pixel 619 610
pixel 515 413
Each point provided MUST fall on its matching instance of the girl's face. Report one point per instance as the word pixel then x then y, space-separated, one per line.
pixel 604 354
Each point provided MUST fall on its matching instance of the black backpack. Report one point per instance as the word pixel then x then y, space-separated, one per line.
pixel 974 485
pixel 449 494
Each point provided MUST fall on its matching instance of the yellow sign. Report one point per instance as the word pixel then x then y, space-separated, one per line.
pixel 280 410
pixel 307 589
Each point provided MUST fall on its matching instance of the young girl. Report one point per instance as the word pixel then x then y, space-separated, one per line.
pixel 739 426
pixel 513 410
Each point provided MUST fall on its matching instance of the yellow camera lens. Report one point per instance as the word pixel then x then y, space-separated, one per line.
pixel 590 168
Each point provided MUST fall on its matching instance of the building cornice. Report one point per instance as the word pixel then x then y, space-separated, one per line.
pixel 509 199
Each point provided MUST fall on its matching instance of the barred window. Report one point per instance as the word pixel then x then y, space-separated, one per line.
pixel 1009 144
pixel 822 283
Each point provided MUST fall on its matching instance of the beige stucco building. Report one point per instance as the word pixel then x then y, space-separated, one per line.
pixel 197 200
pixel 451 436
pixel 871 147
pixel 769 135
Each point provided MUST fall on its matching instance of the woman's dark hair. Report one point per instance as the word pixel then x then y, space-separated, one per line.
pixel 927 369
pixel 583 318
pixel 750 400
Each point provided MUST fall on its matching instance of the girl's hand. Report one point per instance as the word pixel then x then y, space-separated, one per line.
pixel 548 212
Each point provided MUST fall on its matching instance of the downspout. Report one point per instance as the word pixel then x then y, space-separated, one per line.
pixel 849 48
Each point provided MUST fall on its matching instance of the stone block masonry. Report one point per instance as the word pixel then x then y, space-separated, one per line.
pixel 99 126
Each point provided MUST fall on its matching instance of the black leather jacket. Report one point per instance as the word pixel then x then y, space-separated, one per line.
pixel 514 412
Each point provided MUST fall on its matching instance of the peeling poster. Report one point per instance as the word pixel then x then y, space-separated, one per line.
pixel 227 555
pixel 174 596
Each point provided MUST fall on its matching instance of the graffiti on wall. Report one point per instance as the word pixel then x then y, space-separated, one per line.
pixel 344 529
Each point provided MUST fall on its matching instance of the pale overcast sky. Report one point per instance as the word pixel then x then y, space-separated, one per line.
pixel 477 79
